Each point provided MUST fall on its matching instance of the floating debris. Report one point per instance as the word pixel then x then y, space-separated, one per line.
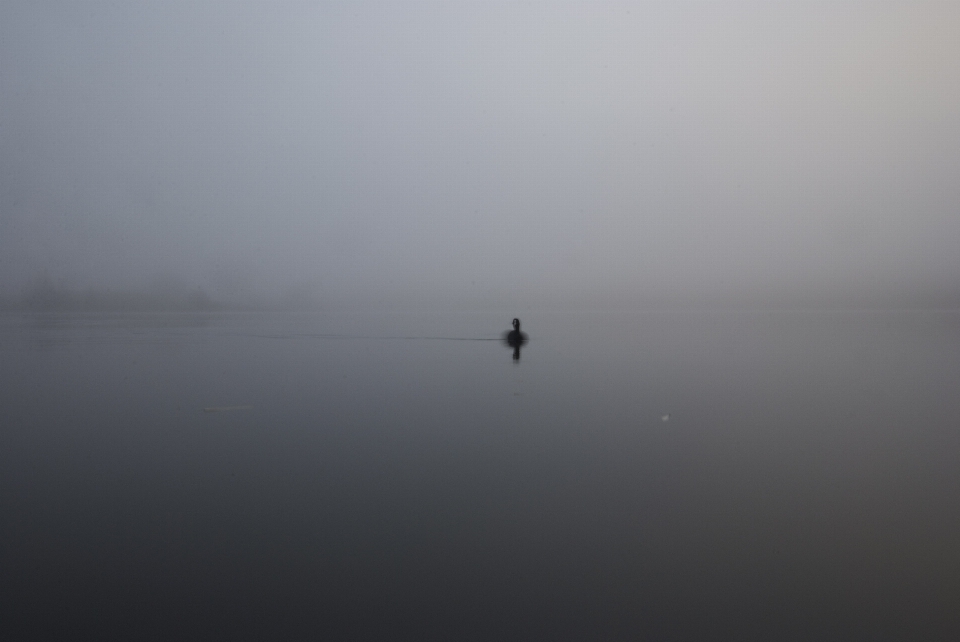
pixel 226 408
pixel 665 418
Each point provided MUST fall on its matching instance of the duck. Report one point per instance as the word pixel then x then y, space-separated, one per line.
pixel 515 337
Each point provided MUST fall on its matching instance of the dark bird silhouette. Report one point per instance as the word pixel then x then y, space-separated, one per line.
pixel 515 339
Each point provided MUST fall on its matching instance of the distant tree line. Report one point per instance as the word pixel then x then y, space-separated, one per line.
pixel 43 294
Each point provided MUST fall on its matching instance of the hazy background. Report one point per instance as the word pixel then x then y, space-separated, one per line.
pixel 484 154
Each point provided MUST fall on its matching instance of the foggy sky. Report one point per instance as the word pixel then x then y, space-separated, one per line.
pixel 485 153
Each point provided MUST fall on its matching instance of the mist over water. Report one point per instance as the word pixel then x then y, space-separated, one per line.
pixel 384 155
pixel 258 266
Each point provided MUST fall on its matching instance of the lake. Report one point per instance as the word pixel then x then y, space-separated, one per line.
pixel 654 475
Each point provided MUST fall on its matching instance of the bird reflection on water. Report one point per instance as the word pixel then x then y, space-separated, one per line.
pixel 515 339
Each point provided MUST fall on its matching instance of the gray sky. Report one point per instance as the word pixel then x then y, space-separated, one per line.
pixel 484 153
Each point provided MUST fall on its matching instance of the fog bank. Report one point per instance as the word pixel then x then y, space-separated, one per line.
pixel 482 155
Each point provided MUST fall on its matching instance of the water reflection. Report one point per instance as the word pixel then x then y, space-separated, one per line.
pixel 57 330
pixel 380 448
pixel 515 339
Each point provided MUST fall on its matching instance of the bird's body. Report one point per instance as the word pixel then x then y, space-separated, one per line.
pixel 515 337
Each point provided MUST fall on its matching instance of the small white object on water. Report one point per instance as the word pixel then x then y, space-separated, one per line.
pixel 665 418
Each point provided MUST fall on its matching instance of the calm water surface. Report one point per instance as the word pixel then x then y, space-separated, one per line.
pixel 310 476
